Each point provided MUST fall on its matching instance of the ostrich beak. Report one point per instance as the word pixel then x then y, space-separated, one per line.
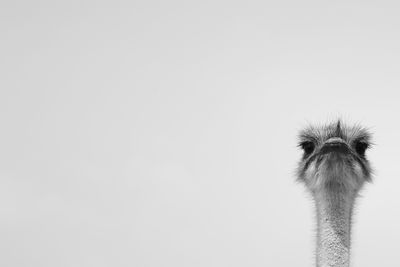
pixel 335 144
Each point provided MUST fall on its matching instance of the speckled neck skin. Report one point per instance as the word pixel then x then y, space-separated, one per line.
pixel 334 211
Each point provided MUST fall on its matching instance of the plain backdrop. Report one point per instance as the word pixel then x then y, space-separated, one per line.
pixel 163 133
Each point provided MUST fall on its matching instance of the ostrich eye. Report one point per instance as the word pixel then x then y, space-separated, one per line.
pixel 308 147
pixel 361 147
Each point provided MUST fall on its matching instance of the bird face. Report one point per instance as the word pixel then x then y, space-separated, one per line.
pixel 334 157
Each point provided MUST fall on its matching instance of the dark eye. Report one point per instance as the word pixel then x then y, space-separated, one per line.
pixel 308 147
pixel 361 147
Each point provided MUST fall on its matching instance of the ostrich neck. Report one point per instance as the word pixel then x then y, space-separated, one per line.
pixel 334 209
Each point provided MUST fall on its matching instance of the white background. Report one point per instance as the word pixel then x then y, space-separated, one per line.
pixel 163 133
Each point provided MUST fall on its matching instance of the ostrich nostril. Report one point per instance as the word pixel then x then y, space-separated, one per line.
pixel 334 144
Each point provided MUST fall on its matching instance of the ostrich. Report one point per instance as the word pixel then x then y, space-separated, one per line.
pixel 333 168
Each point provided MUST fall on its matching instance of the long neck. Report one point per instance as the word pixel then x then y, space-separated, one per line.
pixel 334 211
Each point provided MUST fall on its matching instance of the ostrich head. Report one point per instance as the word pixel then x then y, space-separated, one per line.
pixel 334 158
